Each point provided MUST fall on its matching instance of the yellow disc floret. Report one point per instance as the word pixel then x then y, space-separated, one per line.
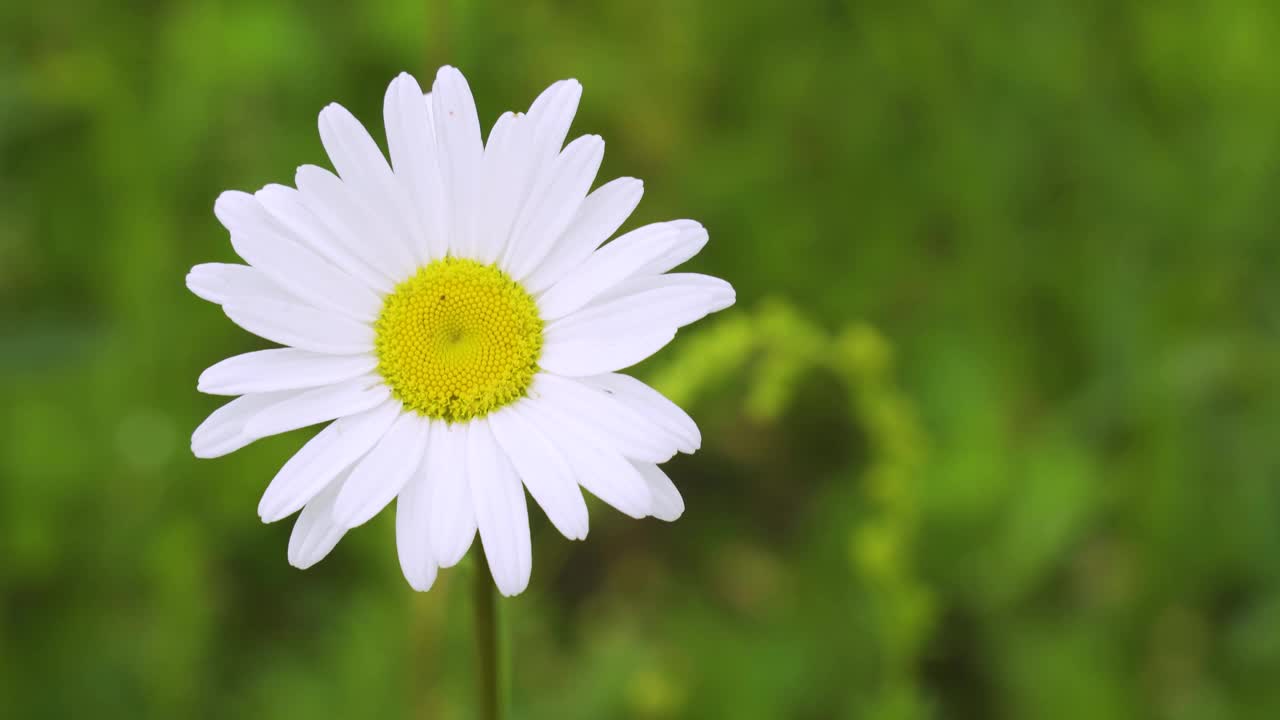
pixel 458 340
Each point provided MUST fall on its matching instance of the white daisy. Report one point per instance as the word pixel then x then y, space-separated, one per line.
pixel 459 318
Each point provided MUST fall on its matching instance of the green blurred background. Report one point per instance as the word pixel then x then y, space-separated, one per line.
pixel 993 431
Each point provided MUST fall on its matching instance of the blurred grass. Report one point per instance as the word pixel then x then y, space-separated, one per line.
pixel 1059 218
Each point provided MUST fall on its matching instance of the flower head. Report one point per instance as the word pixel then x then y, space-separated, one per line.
pixel 458 319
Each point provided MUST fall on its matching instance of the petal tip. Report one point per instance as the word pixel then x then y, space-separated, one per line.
pixel 449 72
pixel 422 586
pixel 269 511
pixel 228 206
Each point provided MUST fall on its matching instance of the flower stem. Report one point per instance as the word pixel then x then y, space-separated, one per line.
pixel 484 597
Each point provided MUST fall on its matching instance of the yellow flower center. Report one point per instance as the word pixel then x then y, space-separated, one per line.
pixel 458 340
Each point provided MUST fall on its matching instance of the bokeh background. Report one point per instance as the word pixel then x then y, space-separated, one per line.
pixel 993 431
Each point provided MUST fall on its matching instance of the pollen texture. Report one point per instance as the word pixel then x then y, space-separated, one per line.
pixel 458 340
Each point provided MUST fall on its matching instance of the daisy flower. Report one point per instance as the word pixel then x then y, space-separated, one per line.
pixel 459 320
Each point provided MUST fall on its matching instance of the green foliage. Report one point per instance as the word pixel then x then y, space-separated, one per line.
pixel 1003 444
pixel 778 348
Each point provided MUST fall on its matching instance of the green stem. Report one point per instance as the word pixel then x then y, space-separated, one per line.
pixel 485 599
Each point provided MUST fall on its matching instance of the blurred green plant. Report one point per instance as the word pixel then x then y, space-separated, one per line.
pixel 777 347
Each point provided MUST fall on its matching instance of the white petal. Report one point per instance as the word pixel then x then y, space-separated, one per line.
pixel 297 325
pixel 595 355
pixel 413 524
pixel 315 533
pixel 223 431
pixel 412 143
pixel 596 465
pixel 265 245
pixel 544 472
pixel 506 179
pixel 552 205
pixel 460 151
pixel 380 475
pixel 644 399
pixel 617 261
pixel 501 513
pixel 287 207
pixel 225 282
pixel 364 170
pixel 318 405
pixel 453 519
pixel 693 237
pixel 645 304
pixel 667 503
pixel 281 369
pixel 638 421
pixel 598 218
pixel 331 451
pixel 551 114
pixel 627 431
pixel 722 294
pixel 363 233
pixel 641 312
pixel 354 154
